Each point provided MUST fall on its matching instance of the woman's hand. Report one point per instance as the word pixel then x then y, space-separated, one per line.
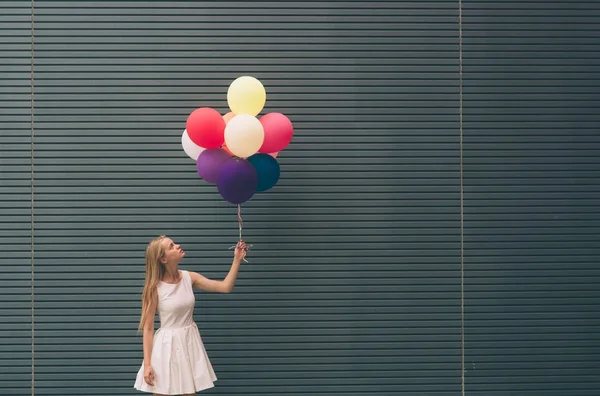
pixel 240 250
pixel 149 375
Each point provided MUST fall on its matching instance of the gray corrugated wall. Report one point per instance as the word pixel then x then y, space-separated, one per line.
pixel 15 198
pixel 354 284
pixel 532 197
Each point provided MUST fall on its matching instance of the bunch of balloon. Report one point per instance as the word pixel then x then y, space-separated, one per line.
pixel 238 151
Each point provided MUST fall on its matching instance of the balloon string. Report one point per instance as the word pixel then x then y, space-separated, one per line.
pixel 240 220
pixel 241 226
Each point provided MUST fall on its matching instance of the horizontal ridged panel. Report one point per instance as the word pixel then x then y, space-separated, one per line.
pixel 532 223
pixel 15 198
pixel 354 278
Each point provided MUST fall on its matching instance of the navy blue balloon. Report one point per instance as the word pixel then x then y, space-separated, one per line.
pixel 267 169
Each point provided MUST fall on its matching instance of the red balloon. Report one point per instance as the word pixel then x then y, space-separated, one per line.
pixel 206 128
pixel 278 132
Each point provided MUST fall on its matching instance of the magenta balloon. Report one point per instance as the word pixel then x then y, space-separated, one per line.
pixel 209 164
pixel 278 131
pixel 238 181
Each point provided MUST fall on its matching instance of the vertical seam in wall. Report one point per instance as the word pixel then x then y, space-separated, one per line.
pixel 32 204
pixel 462 244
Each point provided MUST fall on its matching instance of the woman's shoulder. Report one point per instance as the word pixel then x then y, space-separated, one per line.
pixel 186 276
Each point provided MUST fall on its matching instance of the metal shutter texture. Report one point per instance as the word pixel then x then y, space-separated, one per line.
pixel 15 198
pixel 532 221
pixel 353 286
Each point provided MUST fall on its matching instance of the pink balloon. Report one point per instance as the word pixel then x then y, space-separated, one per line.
pixel 278 132
pixel 274 155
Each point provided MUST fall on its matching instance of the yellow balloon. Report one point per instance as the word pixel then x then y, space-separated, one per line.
pixel 246 95
pixel 244 135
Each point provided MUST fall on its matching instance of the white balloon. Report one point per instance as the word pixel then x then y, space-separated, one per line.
pixel 191 149
pixel 244 135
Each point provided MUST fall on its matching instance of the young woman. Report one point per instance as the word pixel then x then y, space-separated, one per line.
pixel 175 361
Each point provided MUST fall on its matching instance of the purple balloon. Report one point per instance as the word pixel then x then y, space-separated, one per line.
pixel 210 162
pixel 238 181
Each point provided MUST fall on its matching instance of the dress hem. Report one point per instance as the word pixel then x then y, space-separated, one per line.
pixel 199 389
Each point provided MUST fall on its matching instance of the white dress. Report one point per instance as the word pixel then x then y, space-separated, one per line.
pixel 179 359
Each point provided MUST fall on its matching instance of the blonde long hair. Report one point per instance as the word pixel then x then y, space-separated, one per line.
pixel 155 271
